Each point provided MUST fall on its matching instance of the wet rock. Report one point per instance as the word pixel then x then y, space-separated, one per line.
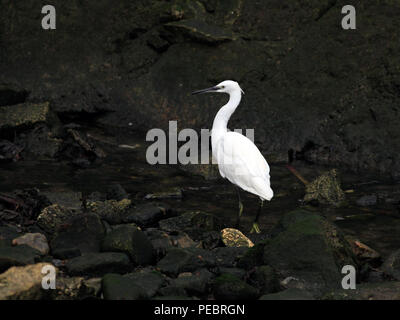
pixel 237 272
pixel 147 214
pixel 363 252
pixel 194 283
pixel 25 205
pixel 182 240
pixel 53 218
pixel 117 287
pixel 17 256
pixel 7 234
pixel 228 256
pixel 149 280
pixel 193 223
pixel 185 260
pixel 131 241
pixel 265 280
pixel 116 192
pixel 368 291
pixel 174 193
pixel 73 288
pixel 235 238
pixel 68 200
pixel 41 141
pixel 36 241
pixel 65 253
pixel 325 189
pixel 24 115
pixel 23 283
pixel 112 211
pixel 252 257
pixel 98 264
pixel 229 287
pixel 391 266
pixel 89 149
pixel 310 249
pixel 289 294
pixel 367 200
pixel 211 239
pixel 9 151
pixel 83 231
pixel 160 241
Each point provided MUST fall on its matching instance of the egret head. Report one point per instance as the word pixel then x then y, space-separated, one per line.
pixel 227 86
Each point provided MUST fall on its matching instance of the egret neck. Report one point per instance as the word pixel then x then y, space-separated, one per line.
pixel 220 124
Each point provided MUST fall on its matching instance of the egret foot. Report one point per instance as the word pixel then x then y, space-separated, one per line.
pixel 255 228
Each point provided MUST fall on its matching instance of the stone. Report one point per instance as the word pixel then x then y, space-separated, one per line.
pixel 147 214
pixel 185 260
pixel 310 249
pixel 391 266
pixel 235 238
pixel 54 217
pixel 264 279
pixel 117 287
pixel 17 256
pixel 149 280
pixel 131 241
pixel 112 211
pixel 229 287
pixel 23 283
pixel 98 264
pixel 196 283
pixel 36 241
pixel 24 115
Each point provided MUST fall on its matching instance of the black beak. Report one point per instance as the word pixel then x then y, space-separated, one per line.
pixel 206 90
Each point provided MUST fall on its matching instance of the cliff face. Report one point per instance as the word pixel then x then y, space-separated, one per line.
pixel 313 90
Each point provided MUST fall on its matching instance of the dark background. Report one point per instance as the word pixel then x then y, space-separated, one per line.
pixel 313 90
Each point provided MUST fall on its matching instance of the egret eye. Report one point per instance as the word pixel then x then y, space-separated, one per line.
pixel 222 87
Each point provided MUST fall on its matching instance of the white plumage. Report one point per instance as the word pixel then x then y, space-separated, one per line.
pixel 238 158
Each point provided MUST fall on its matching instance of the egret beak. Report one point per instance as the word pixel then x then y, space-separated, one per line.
pixel 206 90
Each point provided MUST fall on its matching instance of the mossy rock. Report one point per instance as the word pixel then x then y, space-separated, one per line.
pixel 230 287
pixel 310 249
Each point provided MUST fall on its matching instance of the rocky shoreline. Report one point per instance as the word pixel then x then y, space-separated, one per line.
pixel 114 249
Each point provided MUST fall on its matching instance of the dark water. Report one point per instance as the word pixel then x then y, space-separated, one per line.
pixel 377 226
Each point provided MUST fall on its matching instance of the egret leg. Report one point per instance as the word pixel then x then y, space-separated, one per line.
pixel 240 207
pixel 256 227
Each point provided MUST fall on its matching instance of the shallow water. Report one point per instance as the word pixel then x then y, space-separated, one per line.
pixel 377 226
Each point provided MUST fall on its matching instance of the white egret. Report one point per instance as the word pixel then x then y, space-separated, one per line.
pixel 238 158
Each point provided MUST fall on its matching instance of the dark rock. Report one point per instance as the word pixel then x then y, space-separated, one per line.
pixel 147 214
pixel 310 249
pixel 229 256
pixel 160 240
pixel 236 272
pixel 149 280
pixel 117 287
pixel 23 283
pixel 289 294
pixel 252 256
pixel 17 256
pixel 265 280
pixel 112 211
pixel 9 151
pixel 7 234
pixel 83 231
pixel 185 260
pixel 229 287
pixel 66 253
pixel 193 223
pixel 391 266
pixel 211 240
pixel 133 242
pixel 99 264
pixel 68 200
pixel 172 291
pixel 367 200
pixel 116 192
pixel 194 283
pixel 53 218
